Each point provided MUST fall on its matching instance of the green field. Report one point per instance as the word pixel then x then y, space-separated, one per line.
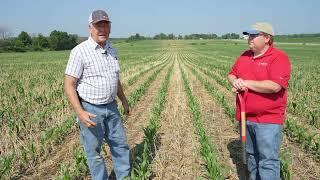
pixel 291 39
pixel 182 112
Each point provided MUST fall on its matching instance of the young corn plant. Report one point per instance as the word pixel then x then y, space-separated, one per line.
pixel 141 171
pixel 141 90
pixel 133 79
pixel 6 164
pixel 299 134
pixel 64 173
pixel 207 149
pixel 285 165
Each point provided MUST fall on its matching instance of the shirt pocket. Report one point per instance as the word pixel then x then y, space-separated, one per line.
pixel 113 67
pixel 91 67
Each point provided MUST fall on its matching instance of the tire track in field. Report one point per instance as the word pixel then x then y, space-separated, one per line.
pixel 219 128
pixel 177 156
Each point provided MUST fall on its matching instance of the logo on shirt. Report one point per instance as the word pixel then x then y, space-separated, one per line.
pixel 263 64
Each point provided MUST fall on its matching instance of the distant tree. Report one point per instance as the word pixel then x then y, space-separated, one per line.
pixel 6 44
pixel 160 36
pixel 59 40
pixel 25 38
pixel 212 36
pixel 18 46
pixel 190 36
pixel 72 41
pixel 230 36
pixel 40 41
pixel 136 37
pixel 235 36
pixel 171 36
pixel 187 37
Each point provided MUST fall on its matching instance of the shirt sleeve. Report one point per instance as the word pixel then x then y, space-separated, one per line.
pixel 280 70
pixel 234 69
pixel 75 64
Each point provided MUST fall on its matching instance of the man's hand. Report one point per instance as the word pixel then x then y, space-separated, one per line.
pixel 85 116
pixel 234 90
pixel 70 89
pixel 126 108
pixel 239 85
pixel 123 99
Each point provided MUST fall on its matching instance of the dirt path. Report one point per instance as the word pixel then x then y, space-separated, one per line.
pixel 177 156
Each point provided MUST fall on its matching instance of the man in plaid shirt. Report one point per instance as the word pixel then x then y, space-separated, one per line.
pixel 91 85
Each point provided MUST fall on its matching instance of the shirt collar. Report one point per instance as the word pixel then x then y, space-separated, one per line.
pixel 267 53
pixel 94 45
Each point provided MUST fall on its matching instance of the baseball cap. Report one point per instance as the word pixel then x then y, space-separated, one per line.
pixel 260 27
pixel 97 16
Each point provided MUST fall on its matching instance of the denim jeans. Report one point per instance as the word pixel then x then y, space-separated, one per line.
pixel 262 146
pixel 109 128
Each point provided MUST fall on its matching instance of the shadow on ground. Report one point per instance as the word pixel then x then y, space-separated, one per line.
pixel 235 150
pixel 137 151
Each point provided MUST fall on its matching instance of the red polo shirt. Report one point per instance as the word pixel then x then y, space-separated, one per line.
pixel 273 65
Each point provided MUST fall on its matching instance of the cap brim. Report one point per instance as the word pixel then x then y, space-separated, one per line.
pixel 251 31
pixel 107 20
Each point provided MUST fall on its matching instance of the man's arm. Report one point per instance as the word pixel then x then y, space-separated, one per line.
pixel 70 90
pixel 265 86
pixel 123 99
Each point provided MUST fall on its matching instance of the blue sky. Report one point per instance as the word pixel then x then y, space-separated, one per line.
pixel 152 17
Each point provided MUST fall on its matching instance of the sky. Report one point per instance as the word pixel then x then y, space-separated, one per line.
pixel 151 17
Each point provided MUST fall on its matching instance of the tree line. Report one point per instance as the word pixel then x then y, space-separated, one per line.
pixel 57 40
pixel 163 36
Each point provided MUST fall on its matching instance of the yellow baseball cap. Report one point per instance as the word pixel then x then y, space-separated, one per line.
pixel 260 27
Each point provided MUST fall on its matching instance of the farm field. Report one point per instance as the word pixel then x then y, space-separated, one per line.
pixel 182 120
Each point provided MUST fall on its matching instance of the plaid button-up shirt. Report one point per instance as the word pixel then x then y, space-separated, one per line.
pixel 97 70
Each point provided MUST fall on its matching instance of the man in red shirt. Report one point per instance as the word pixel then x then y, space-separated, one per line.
pixel 265 72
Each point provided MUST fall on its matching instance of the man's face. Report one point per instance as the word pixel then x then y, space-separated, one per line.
pixel 258 42
pixel 100 31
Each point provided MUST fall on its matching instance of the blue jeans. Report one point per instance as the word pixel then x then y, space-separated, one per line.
pixel 110 128
pixel 262 146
